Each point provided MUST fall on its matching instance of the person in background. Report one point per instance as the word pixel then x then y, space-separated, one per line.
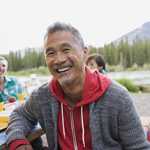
pixel 78 109
pixel 10 87
pixel 96 62
pixel 12 90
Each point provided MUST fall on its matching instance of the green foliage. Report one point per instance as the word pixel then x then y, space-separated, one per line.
pixel 134 67
pixel 113 68
pixel 146 66
pixel 121 56
pixel 43 70
pixel 92 49
pixel 126 55
pixel 31 59
pixel 128 84
pixel 110 68
pixel 39 71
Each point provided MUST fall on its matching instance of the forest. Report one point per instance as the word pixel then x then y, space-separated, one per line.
pixel 123 54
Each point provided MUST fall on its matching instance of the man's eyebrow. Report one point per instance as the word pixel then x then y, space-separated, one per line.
pixel 48 49
pixel 62 45
pixel 65 45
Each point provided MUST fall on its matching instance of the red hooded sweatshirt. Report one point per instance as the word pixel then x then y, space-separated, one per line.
pixel 73 122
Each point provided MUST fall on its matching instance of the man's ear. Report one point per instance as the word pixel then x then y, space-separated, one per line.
pixel 86 53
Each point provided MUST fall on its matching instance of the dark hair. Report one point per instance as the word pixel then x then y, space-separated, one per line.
pixel 57 26
pixel 99 59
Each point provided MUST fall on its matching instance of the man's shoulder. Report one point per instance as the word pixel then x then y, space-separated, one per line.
pixel 115 98
pixel 42 95
pixel 117 87
pixel 116 93
pixel 42 90
pixel 44 87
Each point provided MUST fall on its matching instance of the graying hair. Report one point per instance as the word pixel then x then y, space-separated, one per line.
pixel 57 26
pixel 2 58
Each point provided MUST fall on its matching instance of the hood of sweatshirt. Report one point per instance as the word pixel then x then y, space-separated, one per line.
pixel 94 87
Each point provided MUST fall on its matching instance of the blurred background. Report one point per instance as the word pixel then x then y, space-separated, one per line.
pixel 117 29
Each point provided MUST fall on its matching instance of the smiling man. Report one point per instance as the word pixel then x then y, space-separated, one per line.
pixel 78 109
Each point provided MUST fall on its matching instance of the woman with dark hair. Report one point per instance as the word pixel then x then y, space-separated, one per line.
pixel 96 62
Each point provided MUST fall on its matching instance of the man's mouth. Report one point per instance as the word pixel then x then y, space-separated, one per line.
pixel 60 70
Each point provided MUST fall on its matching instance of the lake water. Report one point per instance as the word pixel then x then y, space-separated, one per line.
pixel 139 77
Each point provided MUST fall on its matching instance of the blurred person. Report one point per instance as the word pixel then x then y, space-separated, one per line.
pixel 96 62
pixel 78 109
pixel 9 86
pixel 12 90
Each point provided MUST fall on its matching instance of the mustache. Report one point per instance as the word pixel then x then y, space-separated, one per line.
pixel 63 65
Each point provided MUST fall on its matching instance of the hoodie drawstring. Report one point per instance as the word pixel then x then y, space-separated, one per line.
pixel 82 122
pixel 62 115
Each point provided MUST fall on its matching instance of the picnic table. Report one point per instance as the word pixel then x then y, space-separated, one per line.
pixel 36 132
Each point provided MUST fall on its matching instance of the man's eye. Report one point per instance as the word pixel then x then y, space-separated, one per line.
pixel 66 49
pixel 50 54
pixel 4 65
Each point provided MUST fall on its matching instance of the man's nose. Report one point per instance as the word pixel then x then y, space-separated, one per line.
pixel 60 58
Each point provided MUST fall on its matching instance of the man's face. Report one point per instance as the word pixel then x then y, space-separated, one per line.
pixel 65 57
pixel 3 68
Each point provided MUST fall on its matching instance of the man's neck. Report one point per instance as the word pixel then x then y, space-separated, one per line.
pixel 73 93
pixel 73 97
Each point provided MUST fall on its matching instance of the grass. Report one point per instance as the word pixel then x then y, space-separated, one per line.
pixel 41 71
pixel 131 87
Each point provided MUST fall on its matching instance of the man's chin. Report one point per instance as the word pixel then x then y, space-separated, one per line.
pixel 66 81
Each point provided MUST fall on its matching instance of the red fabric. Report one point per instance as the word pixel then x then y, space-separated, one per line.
pixel 67 143
pixel 148 136
pixel 14 144
pixel 94 87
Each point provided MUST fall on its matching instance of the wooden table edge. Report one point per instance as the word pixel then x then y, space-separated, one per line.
pixel 31 136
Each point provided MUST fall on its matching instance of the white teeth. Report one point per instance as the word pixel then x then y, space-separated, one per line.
pixel 63 69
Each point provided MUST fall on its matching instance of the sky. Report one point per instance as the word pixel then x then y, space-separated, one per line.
pixel 23 23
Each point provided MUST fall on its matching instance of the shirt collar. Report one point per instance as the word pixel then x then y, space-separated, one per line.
pixel 7 79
